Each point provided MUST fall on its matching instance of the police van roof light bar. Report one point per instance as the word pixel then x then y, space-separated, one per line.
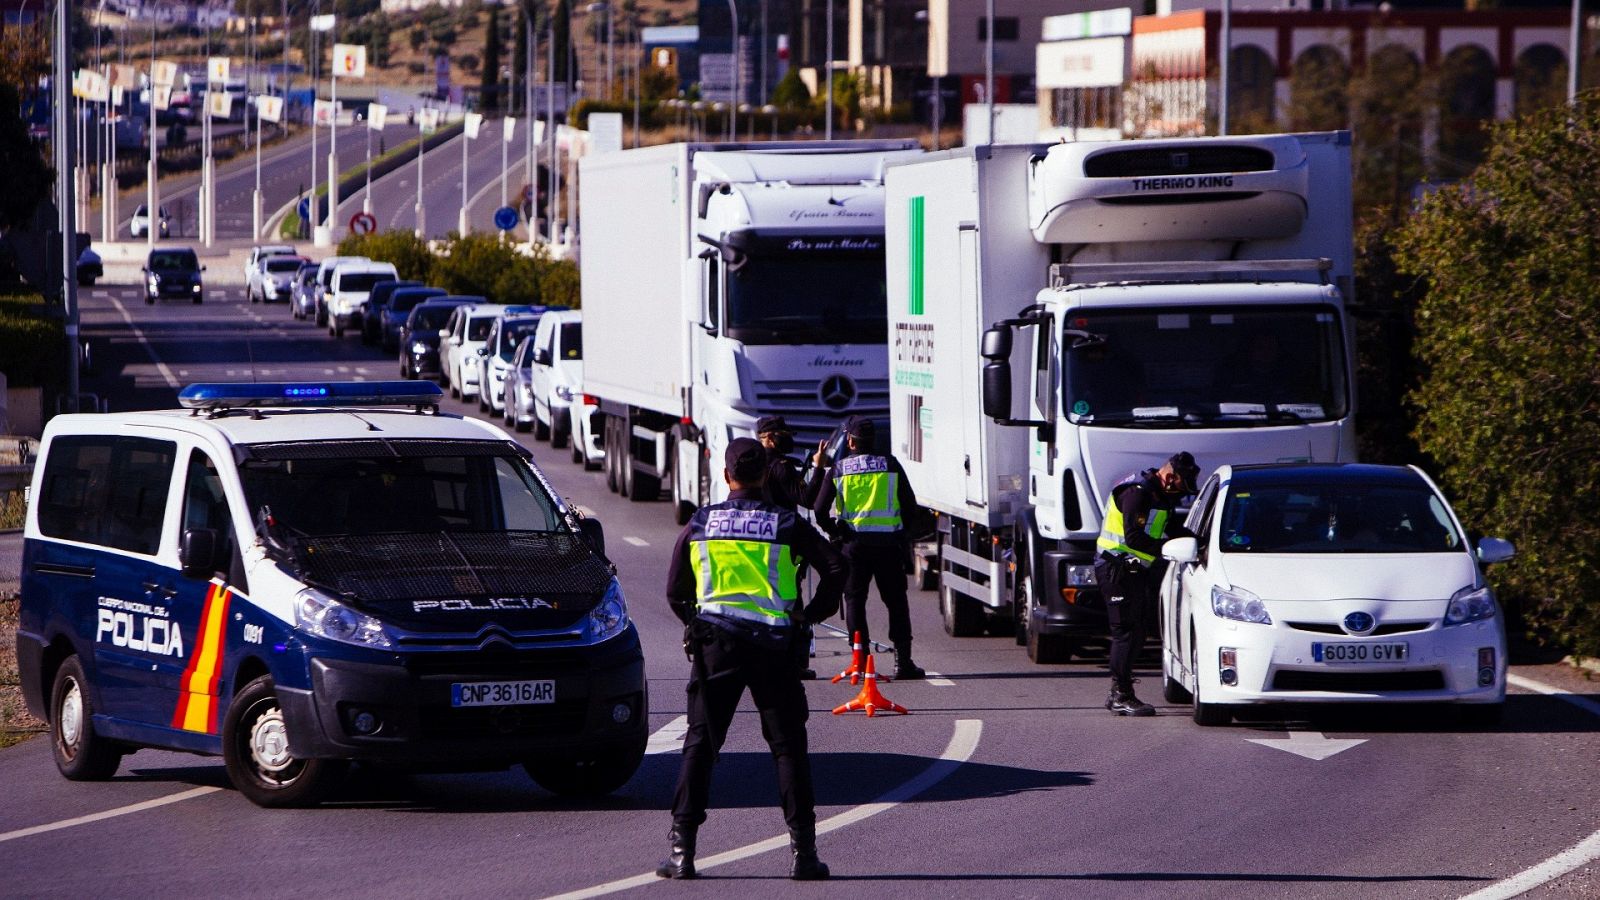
pixel 219 398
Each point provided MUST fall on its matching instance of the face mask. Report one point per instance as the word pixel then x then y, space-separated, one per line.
pixel 785 444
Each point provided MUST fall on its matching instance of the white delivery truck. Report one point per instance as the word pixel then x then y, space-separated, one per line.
pixel 1138 298
pixel 722 283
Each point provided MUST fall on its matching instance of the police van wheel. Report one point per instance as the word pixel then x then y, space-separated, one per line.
pixel 256 750
pixel 81 755
pixel 587 776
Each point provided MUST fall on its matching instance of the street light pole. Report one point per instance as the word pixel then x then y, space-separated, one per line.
pixel 152 191
pixel 827 78
pixel 738 79
pixel 1226 41
pixel 66 190
pixel 333 136
pixel 988 68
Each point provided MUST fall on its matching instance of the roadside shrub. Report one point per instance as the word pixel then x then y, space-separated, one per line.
pixel 33 345
pixel 409 253
pixel 1508 337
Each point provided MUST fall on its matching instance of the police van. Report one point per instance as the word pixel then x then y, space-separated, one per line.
pixel 295 576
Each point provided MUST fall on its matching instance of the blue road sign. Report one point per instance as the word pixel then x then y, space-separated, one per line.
pixel 304 208
pixel 505 218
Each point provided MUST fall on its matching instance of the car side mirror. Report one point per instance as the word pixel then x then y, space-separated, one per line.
pixel 444 332
pixel 542 358
pixel 1181 550
pixel 197 553
pixel 593 533
pixel 482 351
pixel 1495 550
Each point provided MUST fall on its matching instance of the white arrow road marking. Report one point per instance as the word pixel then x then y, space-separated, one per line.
pixel 637 542
pixel 1309 744
pixel 108 814
pixel 963 743
pixel 669 737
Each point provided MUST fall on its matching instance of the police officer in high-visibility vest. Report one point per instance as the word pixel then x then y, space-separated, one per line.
pixel 1138 520
pixel 866 501
pixel 734 584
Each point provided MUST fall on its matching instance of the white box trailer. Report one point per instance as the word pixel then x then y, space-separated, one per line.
pixel 1133 275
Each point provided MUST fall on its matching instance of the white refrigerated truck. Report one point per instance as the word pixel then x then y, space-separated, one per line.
pixel 722 283
pixel 1160 295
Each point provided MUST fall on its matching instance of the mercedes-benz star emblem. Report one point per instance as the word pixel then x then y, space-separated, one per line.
pixel 1358 623
pixel 837 392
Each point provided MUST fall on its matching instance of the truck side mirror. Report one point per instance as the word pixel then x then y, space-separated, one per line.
pixel 997 388
pixel 197 553
pixel 996 344
pixel 541 358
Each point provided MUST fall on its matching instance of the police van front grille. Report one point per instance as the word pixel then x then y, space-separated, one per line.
pixel 557 567
pixel 543 720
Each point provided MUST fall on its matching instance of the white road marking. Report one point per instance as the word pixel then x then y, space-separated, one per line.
pixel 108 814
pixel 1539 687
pixel 963 743
pixel 937 680
pixel 669 737
pixel 1309 744
pixel 161 367
pixel 637 542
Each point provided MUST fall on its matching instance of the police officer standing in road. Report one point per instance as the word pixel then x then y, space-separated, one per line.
pixel 784 486
pixel 734 584
pixel 874 500
pixel 1138 520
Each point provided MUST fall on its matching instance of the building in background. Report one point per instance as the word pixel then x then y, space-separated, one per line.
pixel 674 49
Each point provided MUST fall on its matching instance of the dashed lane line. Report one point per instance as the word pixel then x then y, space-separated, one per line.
pixel 161 367
pixel 108 814
pixel 938 680
pixel 669 737
pixel 637 542
pixel 963 744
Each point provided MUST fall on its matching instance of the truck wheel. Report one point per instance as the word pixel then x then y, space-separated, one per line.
pixel 578 454
pixel 559 433
pixel 255 748
pixel 586 776
pixel 962 617
pixel 925 576
pixel 609 435
pixel 1044 649
pixel 80 754
pixel 1206 715
pixel 541 431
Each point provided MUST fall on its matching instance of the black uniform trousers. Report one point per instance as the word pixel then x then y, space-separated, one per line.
pixel 885 565
pixel 724 665
pixel 1129 590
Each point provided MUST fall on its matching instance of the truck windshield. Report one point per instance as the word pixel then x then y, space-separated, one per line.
pixel 781 298
pixel 1211 366
pixel 382 494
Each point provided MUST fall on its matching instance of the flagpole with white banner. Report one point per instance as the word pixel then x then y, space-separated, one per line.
pixel 349 60
pixel 318 23
pixel 469 133
pixel 217 70
pixel 427 121
pixel 510 126
pixel 269 108
pixel 162 74
pixel 377 115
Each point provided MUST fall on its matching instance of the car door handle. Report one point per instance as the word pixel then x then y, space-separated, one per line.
pixel 150 587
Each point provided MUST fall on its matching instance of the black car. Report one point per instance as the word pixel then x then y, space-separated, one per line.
pixel 419 339
pixel 173 272
pixel 392 318
pixel 372 308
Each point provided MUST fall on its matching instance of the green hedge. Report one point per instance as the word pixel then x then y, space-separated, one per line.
pixel 478 264
pixel 32 343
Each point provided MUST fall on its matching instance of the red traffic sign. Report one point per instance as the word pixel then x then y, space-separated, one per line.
pixel 363 223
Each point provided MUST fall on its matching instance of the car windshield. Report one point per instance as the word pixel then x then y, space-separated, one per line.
pixel 572 340
pixel 360 282
pixel 308 275
pixel 1225 367
pixel 428 318
pixel 806 298
pixel 512 333
pixel 409 493
pixel 1336 518
pixel 404 300
pixel 276 264
pixel 174 259
pixel 478 327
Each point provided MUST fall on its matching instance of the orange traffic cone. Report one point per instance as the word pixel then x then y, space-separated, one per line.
pixel 870 699
pixel 854 670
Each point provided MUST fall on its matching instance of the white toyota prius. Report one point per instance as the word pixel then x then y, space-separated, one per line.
pixel 1329 583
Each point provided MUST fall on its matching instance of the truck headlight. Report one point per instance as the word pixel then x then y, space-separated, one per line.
pixel 317 613
pixel 610 617
pixel 1240 605
pixel 1470 605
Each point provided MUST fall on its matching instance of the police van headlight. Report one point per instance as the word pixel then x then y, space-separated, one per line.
pixel 610 617
pixel 317 613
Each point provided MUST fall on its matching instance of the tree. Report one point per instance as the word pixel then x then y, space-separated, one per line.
pixel 791 92
pixel 1509 338
pixel 28 179
pixel 418 37
pixel 489 83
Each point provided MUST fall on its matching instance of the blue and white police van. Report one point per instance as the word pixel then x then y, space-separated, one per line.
pixel 295 576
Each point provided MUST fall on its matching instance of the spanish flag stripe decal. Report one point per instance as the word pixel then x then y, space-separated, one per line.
pixel 197 696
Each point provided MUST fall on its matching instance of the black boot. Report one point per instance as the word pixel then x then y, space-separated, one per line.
pixel 806 866
pixel 680 860
pixel 1124 703
pixel 904 668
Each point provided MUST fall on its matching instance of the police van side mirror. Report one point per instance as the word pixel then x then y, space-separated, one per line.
pixel 197 553
pixel 593 533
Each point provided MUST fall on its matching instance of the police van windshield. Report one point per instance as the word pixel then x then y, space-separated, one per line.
pixel 1342 518
pixel 806 296
pixel 425 491
pixel 1220 367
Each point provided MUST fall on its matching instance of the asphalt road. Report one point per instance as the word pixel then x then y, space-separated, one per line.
pixel 1007 778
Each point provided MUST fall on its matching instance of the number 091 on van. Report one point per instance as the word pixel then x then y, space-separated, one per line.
pixel 295 576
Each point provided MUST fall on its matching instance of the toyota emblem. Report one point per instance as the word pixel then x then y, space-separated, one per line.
pixel 1359 623
pixel 837 392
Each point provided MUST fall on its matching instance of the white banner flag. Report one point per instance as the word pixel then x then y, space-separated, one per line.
pixel 88 84
pixel 428 118
pixel 323 23
pixel 510 128
pixel 538 131
pixel 164 72
pixel 124 76
pixel 163 97
pixel 322 113
pixel 217 69
pixel 377 116
pixel 473 123
pixel 349 61
pixel 269 108
pixel 219 104
pixel 116 95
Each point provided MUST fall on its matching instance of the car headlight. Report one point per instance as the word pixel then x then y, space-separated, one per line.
pixel 610 617
pixel 154 279
pixel 1240 605
pixel 317 613
pixel 1470 605
pixel 420 348
pixel 563 392
pixel 195 288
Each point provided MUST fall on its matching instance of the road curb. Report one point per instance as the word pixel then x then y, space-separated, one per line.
pixel 1579 662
